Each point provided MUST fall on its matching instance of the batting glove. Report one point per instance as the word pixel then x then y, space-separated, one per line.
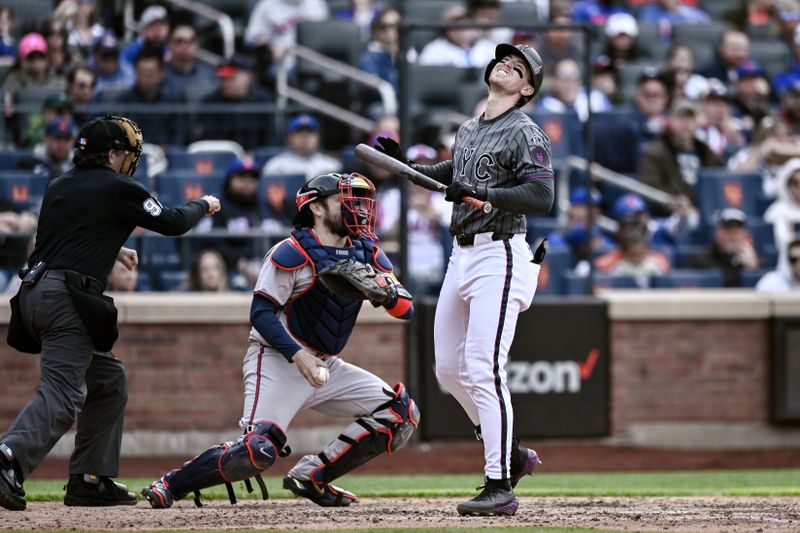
pixel 457 190
pixel 390 147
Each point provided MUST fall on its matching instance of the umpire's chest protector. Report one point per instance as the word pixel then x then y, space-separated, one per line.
pixel 319 318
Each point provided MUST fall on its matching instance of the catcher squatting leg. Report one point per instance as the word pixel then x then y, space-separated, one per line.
pixel 385 430
pixel 254 452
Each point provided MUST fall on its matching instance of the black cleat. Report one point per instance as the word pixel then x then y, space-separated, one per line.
pixel 105 493
pixel 323 494
pixel 523 462
pixel 496 498
pixel 159 495
pixel 12 495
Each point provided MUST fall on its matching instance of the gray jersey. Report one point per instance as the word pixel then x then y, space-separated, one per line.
pixel 499 153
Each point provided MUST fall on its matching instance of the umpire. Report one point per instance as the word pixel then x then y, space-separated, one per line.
pixel 87 214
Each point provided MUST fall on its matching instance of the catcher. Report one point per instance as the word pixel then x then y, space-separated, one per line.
pixel 306 300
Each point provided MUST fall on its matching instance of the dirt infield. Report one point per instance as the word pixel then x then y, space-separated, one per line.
pixel 707 515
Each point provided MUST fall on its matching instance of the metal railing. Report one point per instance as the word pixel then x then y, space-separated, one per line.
pixel 286 92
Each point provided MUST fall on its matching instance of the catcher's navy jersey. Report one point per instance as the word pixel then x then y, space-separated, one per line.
pixel 498 153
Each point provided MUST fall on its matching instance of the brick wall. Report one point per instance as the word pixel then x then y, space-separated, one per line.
pixel 688 371
pixel 663 370
pixel 189 376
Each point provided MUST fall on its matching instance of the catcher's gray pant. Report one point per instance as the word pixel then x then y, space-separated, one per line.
pixel 76 382
pixel 274 390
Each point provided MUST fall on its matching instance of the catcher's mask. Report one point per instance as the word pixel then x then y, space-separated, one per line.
pixel 113 133
pixel 356 196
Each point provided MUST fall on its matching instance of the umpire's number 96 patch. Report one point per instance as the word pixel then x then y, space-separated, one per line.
pixel 152 206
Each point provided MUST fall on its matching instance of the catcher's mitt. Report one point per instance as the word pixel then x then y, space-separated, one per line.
pixel 352 279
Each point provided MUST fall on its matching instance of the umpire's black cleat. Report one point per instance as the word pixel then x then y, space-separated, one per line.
pixel 323 494
pixel 12 495
pixel 523 462
pixel 496 498
pixel 97 492
pixel 159 495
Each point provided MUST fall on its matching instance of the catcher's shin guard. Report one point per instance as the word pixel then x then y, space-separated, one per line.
pixel 228 462
pixel 387 429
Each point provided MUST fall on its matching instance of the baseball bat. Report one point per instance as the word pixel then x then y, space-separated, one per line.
pixel 379 159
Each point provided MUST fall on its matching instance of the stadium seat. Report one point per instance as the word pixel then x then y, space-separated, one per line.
pixel 22 188
pixel 171 280
pixel 276 195
pixel 565 132
pixel 749 278
pixel 703 35
pixel 423 11
pixel 177 187
pixel 718 188
pixel 763 233
pixel 717 9
pixel 336 39
pixel 774 56
pixel 684 252
pixel 576 285
pixel 519 13
pixel 557 262
pixel 202 163
pixel 262 154
pixel 688 278
pixel 540 227
pixel 612 129
pixel 9 158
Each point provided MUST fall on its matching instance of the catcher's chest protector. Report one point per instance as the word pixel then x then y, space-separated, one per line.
pixel 318 317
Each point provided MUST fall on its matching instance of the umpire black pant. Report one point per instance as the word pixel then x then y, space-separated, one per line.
pixel 77 382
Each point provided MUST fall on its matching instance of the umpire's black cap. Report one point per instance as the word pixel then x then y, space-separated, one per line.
pixel 103 134
pixel 528 54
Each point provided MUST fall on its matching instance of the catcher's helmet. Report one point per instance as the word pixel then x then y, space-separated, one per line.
pixel 112 133
pixel 356 196
pixel 531 58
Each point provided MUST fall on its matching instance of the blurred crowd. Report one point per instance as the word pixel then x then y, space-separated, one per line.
pixel 697 99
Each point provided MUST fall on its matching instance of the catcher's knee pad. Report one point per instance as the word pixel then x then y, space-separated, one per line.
pixel 254 452
pixel 387 429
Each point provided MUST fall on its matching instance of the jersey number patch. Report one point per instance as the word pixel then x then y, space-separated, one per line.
pixel 152 206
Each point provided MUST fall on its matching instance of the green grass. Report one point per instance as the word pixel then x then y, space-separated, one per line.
pixel 776 482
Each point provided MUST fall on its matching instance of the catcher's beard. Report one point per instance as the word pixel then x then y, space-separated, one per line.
pixel 334 222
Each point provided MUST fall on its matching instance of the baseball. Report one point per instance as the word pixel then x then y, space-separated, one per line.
pixel 322 374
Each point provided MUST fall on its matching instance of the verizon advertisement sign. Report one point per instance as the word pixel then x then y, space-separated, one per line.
pixel 557 374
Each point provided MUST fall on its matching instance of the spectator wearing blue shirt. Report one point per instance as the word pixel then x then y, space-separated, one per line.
pixel 672 13
pixel 577 236
pixel 8 50
pixel 110 71
pixel 153 33
pixel 665 232
pixel 183 68
pixel 733 48
pixel 785 80
pixel 380 57
pixel 597 11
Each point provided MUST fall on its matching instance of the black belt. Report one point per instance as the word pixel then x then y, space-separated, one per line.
pixel 76 278
pixel 469 240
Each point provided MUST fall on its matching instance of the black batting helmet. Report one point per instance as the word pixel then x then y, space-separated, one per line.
pixel 531 58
